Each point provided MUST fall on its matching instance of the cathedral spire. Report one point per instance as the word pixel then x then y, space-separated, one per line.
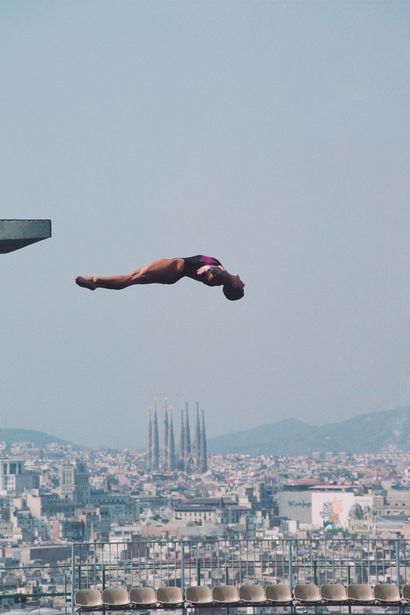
pixel 182 442
pixel 148 447
pixel 197 440
pixel 203 449
pixel 187 434
pixel 165 438
pixel 155 441
pixel 171 444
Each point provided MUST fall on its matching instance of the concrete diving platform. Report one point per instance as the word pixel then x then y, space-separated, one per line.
pixel 16 234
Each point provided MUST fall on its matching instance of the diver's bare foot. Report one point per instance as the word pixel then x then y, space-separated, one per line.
pixel 86 282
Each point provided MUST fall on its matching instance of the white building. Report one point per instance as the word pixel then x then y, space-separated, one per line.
pixel 320 506
pixel 15 479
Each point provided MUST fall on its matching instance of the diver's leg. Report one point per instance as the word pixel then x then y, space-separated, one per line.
pixel 162 271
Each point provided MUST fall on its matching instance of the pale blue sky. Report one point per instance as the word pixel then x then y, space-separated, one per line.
pixel 272 135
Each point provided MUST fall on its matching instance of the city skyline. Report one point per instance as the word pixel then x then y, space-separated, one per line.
pixel 350 515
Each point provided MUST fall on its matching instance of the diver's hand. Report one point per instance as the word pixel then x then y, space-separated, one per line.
pixel 212 275
pixel 213 269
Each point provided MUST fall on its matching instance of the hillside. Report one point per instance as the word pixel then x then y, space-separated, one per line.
pixel 39 438
pixel 366 433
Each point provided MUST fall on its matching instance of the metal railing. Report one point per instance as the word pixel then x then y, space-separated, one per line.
pixel 210 562
pixel 36 583
pixel 183 563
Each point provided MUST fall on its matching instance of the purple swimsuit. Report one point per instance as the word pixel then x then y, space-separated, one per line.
pixel 193 263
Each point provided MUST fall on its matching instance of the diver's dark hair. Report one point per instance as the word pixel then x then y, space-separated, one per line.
pixel 232 293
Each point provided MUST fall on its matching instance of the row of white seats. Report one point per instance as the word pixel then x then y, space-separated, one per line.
pixel 246 594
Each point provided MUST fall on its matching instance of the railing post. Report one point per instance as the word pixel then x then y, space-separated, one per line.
pixel 398 562
pixel 182 566
pixel 72 577
pixel 65 592
pixel 290 564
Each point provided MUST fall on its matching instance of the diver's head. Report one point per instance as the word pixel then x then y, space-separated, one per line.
pixel 235 289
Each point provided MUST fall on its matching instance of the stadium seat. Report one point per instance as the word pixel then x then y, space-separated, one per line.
pixel 88 599
pixel 405 593
pixel 170 596
pixel 198 595
pixel 333 594
pixel 225 594
pixel 279 594
pixel 387 593
pixel 115 597
pixel 143 596
pixel 360 593
pixel 252 594
pixel 307 593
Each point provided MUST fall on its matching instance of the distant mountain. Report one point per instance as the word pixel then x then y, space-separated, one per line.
pixel 39 438
pixel 366 433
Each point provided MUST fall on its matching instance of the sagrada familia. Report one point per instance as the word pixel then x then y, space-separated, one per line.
pixel 192 455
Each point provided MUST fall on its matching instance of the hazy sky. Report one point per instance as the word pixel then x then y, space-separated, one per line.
pixel 272 135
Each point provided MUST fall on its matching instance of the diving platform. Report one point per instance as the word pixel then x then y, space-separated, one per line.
pixel 16 234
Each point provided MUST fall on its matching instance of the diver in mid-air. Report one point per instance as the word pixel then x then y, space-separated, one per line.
pixel 205 269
